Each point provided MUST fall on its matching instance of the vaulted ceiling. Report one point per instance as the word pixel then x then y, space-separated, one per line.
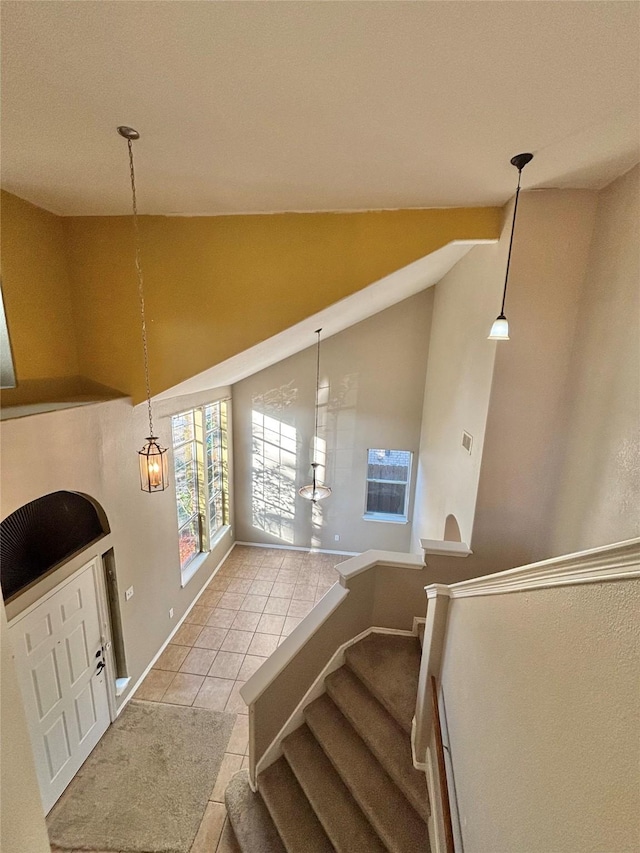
pixel 274 106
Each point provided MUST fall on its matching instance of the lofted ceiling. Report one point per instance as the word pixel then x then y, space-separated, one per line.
pixel 274 106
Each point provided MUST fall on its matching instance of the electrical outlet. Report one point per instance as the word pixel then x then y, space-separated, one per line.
pixel 171 613
pixel 128 594
pixel 336 538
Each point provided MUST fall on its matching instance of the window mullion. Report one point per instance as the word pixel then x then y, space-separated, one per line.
pixel 203 486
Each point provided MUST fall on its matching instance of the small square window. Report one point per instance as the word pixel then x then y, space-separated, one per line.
pixel 388 478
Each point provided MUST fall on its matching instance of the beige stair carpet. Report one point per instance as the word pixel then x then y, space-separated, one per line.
pixel 346 781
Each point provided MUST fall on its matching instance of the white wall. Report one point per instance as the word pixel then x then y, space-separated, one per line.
pixel 541 693
pixel 372 378
pixel 526 416
pixel 598 497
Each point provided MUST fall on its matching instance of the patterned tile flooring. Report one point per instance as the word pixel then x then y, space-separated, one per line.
pixel 254 601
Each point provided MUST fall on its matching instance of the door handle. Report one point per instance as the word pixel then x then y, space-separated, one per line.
pixel 100 667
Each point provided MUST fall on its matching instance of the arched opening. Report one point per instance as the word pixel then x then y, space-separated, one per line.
pixel 44 533
pixel 452 529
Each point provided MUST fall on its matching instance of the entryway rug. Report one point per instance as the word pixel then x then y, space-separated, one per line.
pixel 145 786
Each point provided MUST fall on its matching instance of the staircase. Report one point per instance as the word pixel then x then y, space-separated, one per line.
pixel 346 781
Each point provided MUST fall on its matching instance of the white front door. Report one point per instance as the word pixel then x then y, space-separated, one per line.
pixel 59 658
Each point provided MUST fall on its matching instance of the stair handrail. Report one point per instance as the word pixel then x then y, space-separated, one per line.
pixel 442 771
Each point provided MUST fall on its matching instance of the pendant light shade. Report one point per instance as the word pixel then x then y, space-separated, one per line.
pixel 315 491
pixel 154 467
pixel 500 329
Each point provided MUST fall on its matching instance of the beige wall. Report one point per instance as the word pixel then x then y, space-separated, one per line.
pixel 372 376
pixel 93 449
pixel 383 597
pixel 457 388
pixel 526 419
pixel 599 492
pixel 22 826
pixel 541 693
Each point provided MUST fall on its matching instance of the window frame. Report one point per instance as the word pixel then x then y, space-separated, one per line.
pixel 389 517
pixel 207 536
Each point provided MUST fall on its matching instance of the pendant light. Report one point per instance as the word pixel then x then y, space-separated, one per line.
pixel 315 491
pixel 500 329
pixel 154 469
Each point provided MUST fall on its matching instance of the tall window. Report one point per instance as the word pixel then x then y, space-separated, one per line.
pixel 388 478
pixel 200 461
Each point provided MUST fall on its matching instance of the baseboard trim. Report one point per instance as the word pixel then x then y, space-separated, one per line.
pixel 298 548
pixel 274 750
pixel 206 583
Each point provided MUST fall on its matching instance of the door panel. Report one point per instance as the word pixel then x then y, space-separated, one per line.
pixel 46 684
pixel 77 653
pixel 85 711
pixel 41 631
pixel 57 746
pixel 57 648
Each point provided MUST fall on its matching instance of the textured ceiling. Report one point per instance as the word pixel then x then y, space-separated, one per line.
pixel 271 106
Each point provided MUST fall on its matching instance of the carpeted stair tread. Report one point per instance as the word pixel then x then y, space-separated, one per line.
pixel 381 733
pixel 295 820
pixel 250 819
pixel 389 666
pixel 383 804
pixel 344 823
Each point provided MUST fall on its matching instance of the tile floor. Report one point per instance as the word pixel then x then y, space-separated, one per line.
pixel 255 600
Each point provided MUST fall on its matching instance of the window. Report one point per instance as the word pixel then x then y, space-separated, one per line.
pixel 388 478
pixel 200 463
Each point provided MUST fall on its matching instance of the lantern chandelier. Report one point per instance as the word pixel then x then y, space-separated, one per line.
pixel 500 329
pixel 152 458
pixel 315 491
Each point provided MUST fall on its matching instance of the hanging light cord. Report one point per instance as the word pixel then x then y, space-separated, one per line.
pixel 136 230
pixel 315 434
pixel 513 228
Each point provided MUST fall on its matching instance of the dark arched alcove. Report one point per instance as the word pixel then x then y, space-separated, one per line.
pixel 43 533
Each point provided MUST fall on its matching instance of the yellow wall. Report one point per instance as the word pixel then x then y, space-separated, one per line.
pixel 214 285
pixel 36 292
pixel 218 285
